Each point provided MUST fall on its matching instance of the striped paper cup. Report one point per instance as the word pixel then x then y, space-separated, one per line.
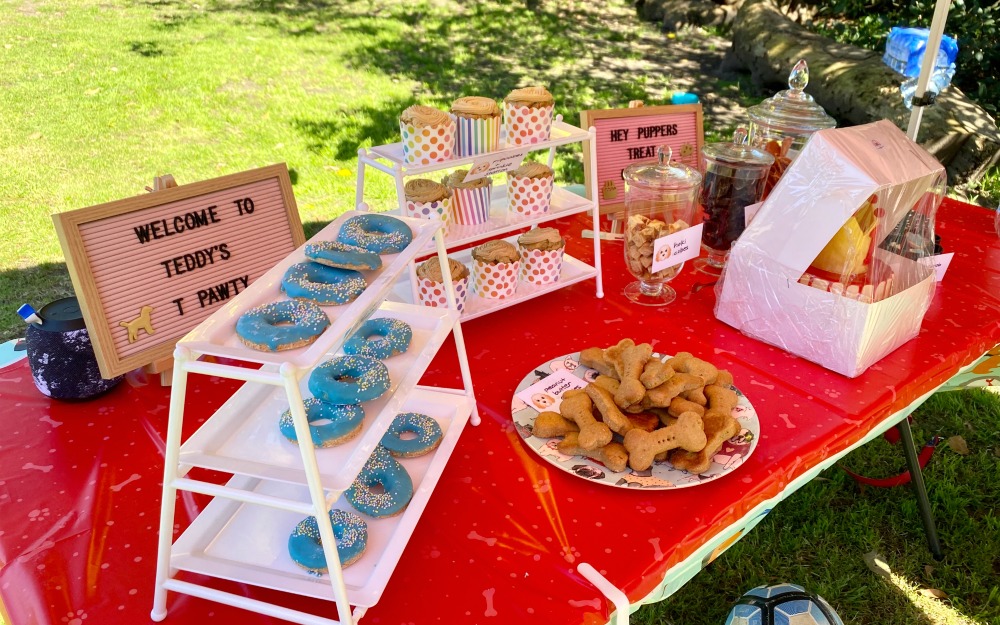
pixel 431 293
pixel 495 281
pixel 541 266
pixel 525 125
pixel 427 144
pixel 477 136
pixel 528 196
pixel 438 209
pixel 471 207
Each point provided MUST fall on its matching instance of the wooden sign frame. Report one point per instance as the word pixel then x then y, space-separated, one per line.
pixel 107 253
pixel 665 115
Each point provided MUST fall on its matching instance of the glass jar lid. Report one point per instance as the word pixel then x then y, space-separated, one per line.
pixel 663 174
pixel 738 154
pixel 793 110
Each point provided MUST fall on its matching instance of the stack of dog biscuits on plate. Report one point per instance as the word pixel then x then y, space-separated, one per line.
pixel 640 410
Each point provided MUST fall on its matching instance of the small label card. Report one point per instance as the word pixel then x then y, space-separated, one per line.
pixel 491 164
pixel 546 394
pixel 750 212
pixel 939 262
pixel 676 248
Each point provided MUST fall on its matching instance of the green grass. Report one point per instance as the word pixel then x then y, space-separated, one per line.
pixel 98 97
pixel 818 537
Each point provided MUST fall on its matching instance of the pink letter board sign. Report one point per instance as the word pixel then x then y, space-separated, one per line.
pixel 150 268
pixel 629 136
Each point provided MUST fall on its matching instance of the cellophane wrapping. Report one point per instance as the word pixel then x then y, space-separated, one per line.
pixel 830 268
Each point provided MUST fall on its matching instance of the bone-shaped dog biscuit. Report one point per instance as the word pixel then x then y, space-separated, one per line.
pixel 662 395
pixel 630 366
pixel 721 399
pixel 642 446
pixel 719 428
pixel 594 358
pixel 579 408
pixel 608 383
pixel 610 413
pixel 679 405
pixel 550 424
pixel 696 395
pixel 687 363
pixel 612 455
pixel 655 373
pixel 613 354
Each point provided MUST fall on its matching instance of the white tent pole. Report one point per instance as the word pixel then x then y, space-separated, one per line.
pixel 927 68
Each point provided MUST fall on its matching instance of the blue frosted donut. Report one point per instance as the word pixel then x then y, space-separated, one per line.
pixel 383 488
pixel 267 327
pixel 324 285
pixel 349 380
pixel 425 430
pixel 380 234
pixel 329 424
pixel 349 530
pixel 380 338
pixel 342 255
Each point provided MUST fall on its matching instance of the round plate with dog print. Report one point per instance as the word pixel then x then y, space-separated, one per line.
pixel 542 390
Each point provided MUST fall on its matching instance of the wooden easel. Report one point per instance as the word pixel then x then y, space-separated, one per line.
pixel 164 367
pixel 617 232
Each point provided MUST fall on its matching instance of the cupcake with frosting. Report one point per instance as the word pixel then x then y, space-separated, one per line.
pixel 428 135
pixel 541 255
pixel 426 199
pixel 430 283
pixel 495 267
pixel 527 115
pixel 470 201
pixel 478 122
pixel 529 189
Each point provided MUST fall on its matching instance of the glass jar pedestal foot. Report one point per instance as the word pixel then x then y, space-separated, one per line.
pixel 650 294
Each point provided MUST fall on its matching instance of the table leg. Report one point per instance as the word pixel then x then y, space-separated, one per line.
pixel 919 489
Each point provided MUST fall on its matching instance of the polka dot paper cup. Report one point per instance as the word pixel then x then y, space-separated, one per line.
pixel 495 281
pixel 431 293
pixel 438 209
pixel 427 144
pixel 525 125
pixel 528 196
pixel 541 266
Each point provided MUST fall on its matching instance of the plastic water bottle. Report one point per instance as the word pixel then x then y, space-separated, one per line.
pixel 940 79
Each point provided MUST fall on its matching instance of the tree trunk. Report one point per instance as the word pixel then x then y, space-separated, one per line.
pixel 855 87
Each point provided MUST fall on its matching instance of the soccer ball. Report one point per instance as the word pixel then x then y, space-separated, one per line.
pixel 782 604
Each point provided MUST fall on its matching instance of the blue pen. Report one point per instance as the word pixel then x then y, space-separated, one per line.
pixel 29 315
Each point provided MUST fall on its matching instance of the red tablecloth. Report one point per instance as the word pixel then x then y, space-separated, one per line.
pixel 503 532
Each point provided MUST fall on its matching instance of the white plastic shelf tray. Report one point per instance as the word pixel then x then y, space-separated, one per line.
pixel 249 543
pixel 217 334
pixel 564 203
pixel 561 134
pixel 573 271
pixel 242 437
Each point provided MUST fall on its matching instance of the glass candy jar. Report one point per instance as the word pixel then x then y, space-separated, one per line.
pixel 734 179
pixel 660 199
pixel 790 117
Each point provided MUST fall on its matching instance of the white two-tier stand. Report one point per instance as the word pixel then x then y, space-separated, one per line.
pixel 389 159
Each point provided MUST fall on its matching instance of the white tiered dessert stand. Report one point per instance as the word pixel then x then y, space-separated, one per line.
pixel 242 534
